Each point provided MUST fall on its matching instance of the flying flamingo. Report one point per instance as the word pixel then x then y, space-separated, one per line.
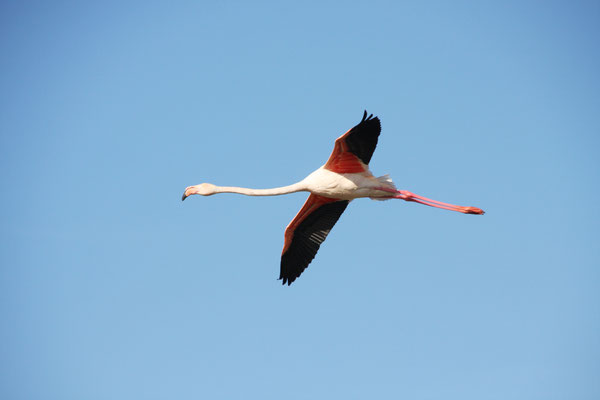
pixel 343 178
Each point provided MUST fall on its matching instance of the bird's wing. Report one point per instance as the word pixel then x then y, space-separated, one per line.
pixel 353 150
pixel 306 232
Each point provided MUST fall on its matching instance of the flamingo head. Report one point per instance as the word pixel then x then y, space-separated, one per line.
pixel 204 189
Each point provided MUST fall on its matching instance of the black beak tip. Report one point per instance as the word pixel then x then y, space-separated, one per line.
pixel 183 197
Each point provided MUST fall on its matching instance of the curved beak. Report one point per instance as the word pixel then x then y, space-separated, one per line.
pixel 186 193
pixel 190 190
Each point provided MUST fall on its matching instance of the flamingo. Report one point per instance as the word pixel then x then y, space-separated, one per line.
pixel 344 177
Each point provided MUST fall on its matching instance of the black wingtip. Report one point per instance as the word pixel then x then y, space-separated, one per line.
pixel 366 117
pixel 284 281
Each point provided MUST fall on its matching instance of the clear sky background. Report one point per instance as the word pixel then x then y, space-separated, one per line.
pixel 112 288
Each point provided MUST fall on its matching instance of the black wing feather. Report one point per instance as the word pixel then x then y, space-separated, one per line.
pixel 362 139
pixel 308 236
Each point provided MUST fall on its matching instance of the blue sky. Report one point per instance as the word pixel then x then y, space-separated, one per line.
pixel 112 288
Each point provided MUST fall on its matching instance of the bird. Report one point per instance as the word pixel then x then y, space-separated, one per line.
pixel 343 178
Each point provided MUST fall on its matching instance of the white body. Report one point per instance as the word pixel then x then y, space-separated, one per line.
pixel 346 186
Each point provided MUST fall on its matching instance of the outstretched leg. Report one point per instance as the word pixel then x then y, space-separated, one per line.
pixel 409 196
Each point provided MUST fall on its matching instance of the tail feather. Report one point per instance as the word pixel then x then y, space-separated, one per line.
pixel 386 181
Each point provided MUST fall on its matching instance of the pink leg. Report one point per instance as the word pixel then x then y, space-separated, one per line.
pixel 408 196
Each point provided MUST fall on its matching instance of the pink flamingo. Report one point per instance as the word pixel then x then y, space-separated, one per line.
pixel 343 178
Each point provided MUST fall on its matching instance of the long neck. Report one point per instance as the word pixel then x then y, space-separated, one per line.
pixel 296 187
